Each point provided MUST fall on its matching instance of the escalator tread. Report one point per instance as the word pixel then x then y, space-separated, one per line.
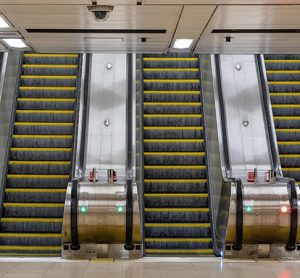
pixel 39 162
pixel 177 217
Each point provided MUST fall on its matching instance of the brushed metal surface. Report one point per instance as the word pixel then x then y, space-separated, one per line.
pixel 265 224
pixel 247 144
pixel 101 223
pixel 9 74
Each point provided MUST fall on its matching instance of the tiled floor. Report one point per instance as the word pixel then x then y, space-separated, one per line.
pixel 148 268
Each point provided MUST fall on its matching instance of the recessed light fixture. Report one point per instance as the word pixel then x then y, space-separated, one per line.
pixel 182 43
pixel 3 23
pixel 16 43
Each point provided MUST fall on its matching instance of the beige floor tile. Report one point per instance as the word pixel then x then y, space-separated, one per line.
pixel 6 266
pixel 97 274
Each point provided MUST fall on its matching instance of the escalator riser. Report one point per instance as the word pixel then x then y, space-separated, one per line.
pixel 173 134
pixel 287 124
pixel 169 147
pixel 44 130
pixel 284 88
pixel 174 160
pixel 288 136
pixel 175 173
pixel 41 155
pixel 31 227
pixel 39 169
pixel 285 99
pixel 30 241
pixel 179 202
pixel 170 64
pixel 177 217
pixel 36 183
pixel 171 86
pixel 290 162
pixel 51 60
pixel 32 211
pixel 184 232
pixel 45 105
pixel 49 71
pixel 289 149
pixel 47 93
pixel 35 197
pixel 42 117
pixel 48 82
pixel 167 187
pixel 284 77
pixel 178 121
pixel 292 174
pixel 178 245
pixel 172 97
pixel 174 109
pixel 286 112
pixel 170 74
pixel 42 143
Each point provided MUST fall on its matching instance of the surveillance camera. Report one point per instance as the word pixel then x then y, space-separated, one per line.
pixel 100 12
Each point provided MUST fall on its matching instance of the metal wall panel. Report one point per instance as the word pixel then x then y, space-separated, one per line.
pixel 6 102
pixel 106 145
pixel 248 146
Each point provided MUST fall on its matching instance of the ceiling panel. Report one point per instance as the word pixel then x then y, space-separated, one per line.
pixel 78 17
pixel 252 17
pixel 193 21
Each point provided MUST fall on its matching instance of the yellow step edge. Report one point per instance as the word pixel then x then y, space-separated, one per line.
pixel 286 105
pixel 175 181
pixel 179 225
pixel 49 77
pixel 42 124
pixel 173 140
pixel 173 128
pixel 169 59
pixel 34 190
pixel 174 153
pixel 50 66
pixel 176 210
pixel 30 235
pixel 42 149
pixel 172 92
pixel 291 94
pixel 195 167
pixel 172 104
pixel 45 111
pixel 288 142
pixel 47 88
pixel 47 99
pixel 286 118
pixel 171 69
pixel 289 155
pixel 20 162
pixel 282 61
pixel 20 136
pixel 29 248
pixel 172 115
pixel 284 82
pixel 176 195
pixel 287 130
pixel 283 71
pixel 172 81
pixel 179 251
pixel 20 176
pixel 41 220
pixel 38 205
pixel 204 240
pixel 291 169
pixel 50 55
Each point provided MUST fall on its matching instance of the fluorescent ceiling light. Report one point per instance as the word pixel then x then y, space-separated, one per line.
pixel 3 23
pixel 17 43
pixel 182 43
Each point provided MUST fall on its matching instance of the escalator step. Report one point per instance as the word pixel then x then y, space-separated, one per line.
pixel 41 154
pixel 174 158
pixel 42 141
pixel 39 128
pixel 173 120
pixel 29 239
pixel 46 92
pixel 173 132
pixel 16 250
pixel 45 115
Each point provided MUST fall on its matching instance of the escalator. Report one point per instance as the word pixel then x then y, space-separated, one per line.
pixel 283 73
pixel 40 156
pixel 176 210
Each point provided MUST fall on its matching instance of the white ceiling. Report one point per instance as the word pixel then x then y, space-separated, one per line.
pixel 193 19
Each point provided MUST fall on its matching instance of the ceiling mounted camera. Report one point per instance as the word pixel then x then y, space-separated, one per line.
pixel 100 12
